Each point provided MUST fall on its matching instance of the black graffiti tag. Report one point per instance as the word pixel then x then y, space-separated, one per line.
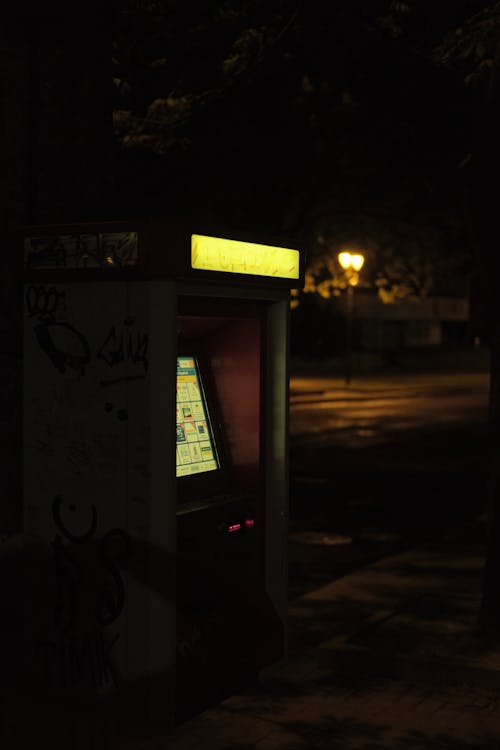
pixel 125 345
pixel 81 651
pixel 64 345
pixel 69 574
pixel 69 535
pixel 110 602
pixel 113 550
pixel 45 301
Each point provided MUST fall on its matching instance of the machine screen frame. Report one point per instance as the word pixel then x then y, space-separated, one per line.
pixel 203 485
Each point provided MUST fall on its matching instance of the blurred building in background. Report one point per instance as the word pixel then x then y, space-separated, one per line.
pixel 435 321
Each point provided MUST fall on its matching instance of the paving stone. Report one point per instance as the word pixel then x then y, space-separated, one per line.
pixel 184 741
pixel 295 671
pixel 279 739
pixel 304 704
pixel 229 726
pixel 273 709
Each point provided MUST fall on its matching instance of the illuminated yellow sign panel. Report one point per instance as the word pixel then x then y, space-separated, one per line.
pixel 233 256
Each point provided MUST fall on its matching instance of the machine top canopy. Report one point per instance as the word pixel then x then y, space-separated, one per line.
pixel 155 249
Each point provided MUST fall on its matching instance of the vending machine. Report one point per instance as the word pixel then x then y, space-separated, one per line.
pixel 156 465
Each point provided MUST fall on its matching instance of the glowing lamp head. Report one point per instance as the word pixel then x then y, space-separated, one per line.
pixel 352 261
pixel 357 262
pixel 345 260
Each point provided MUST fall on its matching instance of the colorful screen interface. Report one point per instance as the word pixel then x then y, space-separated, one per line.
pixel 194 443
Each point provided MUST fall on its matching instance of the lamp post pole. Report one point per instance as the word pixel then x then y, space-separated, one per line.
pixel 352 264
pixel 350 304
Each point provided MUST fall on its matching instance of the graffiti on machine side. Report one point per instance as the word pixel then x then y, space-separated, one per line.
pixel 125 344
pixel 89 250
pixel 68 348
pixel 64 345
pixel 89 597
pixel 45 302
pixel 115 547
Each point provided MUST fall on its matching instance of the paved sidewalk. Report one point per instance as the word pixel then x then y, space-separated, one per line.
pixel 381 659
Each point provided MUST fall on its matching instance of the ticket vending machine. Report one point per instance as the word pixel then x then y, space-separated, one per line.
pixel 156 467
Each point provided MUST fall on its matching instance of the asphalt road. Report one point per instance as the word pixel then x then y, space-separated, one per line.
pixel 380 465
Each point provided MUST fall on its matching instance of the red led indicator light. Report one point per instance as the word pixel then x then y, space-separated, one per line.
pixel 234 527
pixel 249 523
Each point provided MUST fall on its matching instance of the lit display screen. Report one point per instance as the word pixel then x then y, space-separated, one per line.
pixel 233 256
pixel 195 449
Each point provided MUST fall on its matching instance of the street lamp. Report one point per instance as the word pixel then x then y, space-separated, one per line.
pixel 352 264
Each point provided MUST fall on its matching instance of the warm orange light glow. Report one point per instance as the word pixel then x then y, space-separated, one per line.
pixel 345 260
pixel 351 260
pixel 357 261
